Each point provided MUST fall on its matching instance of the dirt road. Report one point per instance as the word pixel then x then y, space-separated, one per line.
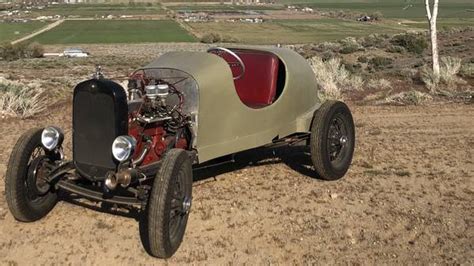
pixel 407 199
pixel 38 32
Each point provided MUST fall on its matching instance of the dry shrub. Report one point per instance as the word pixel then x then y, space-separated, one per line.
pixel 10 52
pixel 350 45
pixel 216 37
pixel 211 38
pixel 467 70
pixel 379 84
pixel 413 43
pixel 18 99
pixel 447 81
pixel 380 62
pixel 450 67
pixel 374 40
pixel 329 46
pixel 411 97
pixel 333 78
pixel 430 79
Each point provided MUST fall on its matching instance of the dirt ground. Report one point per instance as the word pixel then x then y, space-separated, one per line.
pixel 407 199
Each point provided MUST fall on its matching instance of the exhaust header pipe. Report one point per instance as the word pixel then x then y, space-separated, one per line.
pixel 123 177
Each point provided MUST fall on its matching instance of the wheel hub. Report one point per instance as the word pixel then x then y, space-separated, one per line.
pixel 337 138
pixel 186 205
pixel 343 140
pixel 37 173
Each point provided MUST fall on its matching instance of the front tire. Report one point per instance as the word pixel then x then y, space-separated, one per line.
pixel 169 204
pixel 332 140
pixel 29 197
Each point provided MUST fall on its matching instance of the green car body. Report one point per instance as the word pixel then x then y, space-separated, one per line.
pixel 225 125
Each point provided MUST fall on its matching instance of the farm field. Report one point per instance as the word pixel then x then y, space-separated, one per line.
pixel 389 9
pixel 98 10
pixel 397 10
pixel 296 31
pixel 223 7
pixel 442 23
pixel 12 31
pixel 115 31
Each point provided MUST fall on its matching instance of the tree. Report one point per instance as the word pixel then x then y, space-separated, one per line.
pixel 432 15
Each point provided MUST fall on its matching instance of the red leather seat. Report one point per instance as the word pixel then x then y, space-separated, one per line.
pixel 257 88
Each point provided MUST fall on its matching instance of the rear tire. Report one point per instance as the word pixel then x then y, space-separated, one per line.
pixel 332 140
pixel 26 200
pixel 169 204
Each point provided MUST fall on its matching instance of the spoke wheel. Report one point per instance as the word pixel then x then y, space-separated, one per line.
pixel 169 204
pixel 332 140
pixel 29 196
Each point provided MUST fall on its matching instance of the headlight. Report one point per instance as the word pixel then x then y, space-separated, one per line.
pixel 52 137
pixel 123 147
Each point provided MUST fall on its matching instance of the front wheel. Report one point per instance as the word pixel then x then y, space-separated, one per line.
pixel 29 196
pixel 332 140
pixel 169 204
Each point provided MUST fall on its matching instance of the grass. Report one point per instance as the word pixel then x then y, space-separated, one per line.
pixel 224 7
pixel 115 31
pixel 295 31
pixel 442 23
pixel 392 8
pixel 98 10
pixel 18 99
pixel 13 31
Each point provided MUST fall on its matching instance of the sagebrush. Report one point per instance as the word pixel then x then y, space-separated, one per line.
pixel 21 100
pixel 411 97
pixel 10 52
pixel 333 78
pixel 448 79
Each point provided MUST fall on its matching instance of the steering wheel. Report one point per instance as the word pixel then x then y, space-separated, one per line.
pixel 218 51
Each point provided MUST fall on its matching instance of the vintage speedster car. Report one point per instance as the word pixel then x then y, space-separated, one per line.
pixel 138 146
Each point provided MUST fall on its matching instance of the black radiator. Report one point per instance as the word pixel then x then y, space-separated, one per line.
pixel 99 116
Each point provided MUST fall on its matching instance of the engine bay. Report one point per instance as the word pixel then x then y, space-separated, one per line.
pixel 157 119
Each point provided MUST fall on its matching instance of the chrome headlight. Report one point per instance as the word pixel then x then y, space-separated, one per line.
pixel 52 137
pixel 123 148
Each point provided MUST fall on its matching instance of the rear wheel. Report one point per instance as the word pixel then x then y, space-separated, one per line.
pixel 169 204
pixel 29 196
pixel 332 140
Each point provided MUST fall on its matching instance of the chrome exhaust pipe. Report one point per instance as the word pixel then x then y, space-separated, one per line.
pixel 111 181
pixel 124 178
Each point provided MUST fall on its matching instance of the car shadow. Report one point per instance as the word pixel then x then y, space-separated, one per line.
pixel 103 207
pixel 131 212
pixel 297 158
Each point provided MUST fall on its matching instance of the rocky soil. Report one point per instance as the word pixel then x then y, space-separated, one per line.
pixel 407 199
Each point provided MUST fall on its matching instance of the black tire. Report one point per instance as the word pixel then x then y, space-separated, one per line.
pixel 167 214
pixel 23 198
pixel 332 153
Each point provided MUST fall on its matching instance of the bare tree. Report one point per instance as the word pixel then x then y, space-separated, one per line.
pixel 432 15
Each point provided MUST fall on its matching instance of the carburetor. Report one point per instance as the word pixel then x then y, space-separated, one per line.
pixel 157 94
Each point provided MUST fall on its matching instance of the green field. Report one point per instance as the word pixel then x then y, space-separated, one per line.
pixel 98 10
pixel 115 31
pixel 392 8
pixel 224 7
pixel 442 24
pixel 13 31
pixel 297 31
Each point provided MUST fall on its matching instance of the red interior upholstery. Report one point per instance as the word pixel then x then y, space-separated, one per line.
pixel 257 88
